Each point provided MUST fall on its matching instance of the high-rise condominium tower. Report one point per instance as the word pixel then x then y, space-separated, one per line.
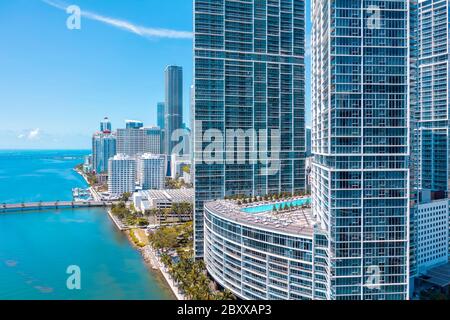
pixel 103 148
pixel 432 112
pixel 136 139
pixel 173 105
pixel 431 134
pixel 249 76
pixel 121 175
pixel 360 133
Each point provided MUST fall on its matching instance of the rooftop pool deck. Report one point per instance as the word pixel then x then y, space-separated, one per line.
pixel 297 221
pixel 269 207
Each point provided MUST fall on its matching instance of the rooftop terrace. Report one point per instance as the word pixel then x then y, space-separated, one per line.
pixel 296 220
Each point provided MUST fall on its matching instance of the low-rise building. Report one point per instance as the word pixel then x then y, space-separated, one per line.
pixel 161 199
pixel 432 243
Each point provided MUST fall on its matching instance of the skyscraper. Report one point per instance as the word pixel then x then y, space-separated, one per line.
pixel 134 124
pixel 136 140
pixel 249 75
pixel 151 171
pixel 121 174
pixel 161 113
pixel 433 99
pixel 105 126
pixel 103 148
pixel 173 104
pixel 360 133
pixel 431 134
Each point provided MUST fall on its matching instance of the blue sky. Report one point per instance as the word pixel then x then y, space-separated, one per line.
pixel 57 84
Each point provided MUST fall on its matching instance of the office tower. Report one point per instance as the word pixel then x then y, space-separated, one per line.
pixel 121 175
pixel 103 148
pixel 360 135
pixel 133 141
pixel 249 75
pixel 308 142
pixel 161 114
pixel 151 171
pixel 431 138
pixel 173 105
pixel 105 126
pixel 134 124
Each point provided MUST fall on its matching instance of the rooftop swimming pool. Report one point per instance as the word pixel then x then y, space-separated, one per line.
pixel 269 207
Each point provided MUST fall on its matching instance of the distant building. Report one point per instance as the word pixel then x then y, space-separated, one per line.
pixel 162 124
pixel 177 163
pixel 161 113
pixel 104 146
pixel 161 199
pixel 105 126
pixel 135 140
pixel 308 142
pixel 122 175
pixel 151 171
pixel 87 165
pixel 173 104
pixel 134 124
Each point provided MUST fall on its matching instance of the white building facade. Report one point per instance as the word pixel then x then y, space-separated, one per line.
pixel 432 234
pixel 122 175
pixel 151 171
pixel 360 144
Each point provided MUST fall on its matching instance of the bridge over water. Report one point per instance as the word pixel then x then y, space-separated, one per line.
pixel 36 206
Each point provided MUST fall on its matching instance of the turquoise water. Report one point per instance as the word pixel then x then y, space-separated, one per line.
pixel 39 175
pixel 37 248
pixel 269 207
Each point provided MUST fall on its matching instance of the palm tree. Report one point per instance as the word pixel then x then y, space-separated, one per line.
pixel 228 295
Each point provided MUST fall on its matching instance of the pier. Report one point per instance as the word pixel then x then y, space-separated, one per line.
pixel 37 206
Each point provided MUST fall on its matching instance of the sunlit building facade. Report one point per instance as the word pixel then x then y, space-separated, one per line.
pixel 249 74
pixel 360 143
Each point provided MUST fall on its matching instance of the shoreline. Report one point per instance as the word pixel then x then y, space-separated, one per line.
pixel 147 253
pixel 155 266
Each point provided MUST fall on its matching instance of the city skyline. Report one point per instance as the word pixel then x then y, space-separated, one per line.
pixel 104 69
pixel 312 160
pixel 100 70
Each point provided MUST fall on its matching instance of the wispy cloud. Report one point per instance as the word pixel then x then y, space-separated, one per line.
pixel 30 134
pixel 34 134
pixel 126 25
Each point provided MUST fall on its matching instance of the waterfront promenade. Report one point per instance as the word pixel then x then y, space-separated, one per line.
pixel 36 206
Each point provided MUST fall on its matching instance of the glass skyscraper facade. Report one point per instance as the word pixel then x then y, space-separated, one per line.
pixel 249 75
pixel 430 143
pixel 433 99
pixel 161 113
pixel 360 134
pixel 103 148
pixel 173 105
